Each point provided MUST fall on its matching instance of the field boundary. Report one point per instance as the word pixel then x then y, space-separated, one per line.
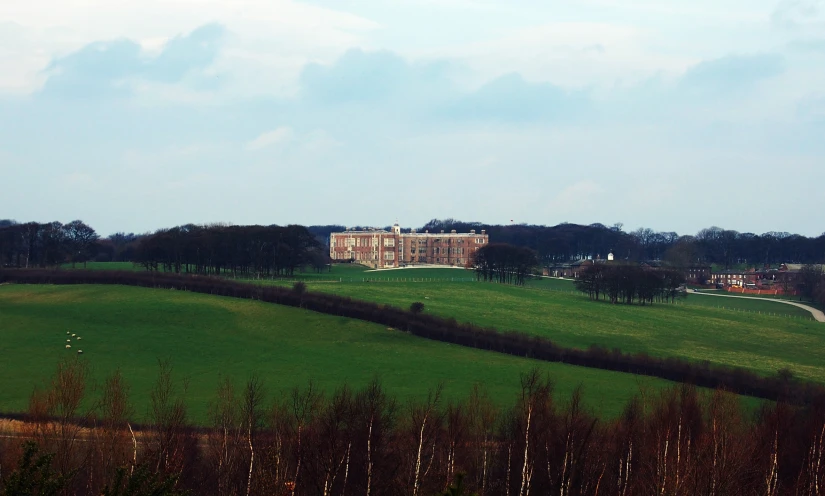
pixel 702 374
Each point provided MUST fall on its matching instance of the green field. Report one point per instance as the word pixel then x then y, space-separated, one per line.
pixel 738 335
pixel 761 335
pixel 206 336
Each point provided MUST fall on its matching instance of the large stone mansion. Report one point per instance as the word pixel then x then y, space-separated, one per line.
pixel 378 248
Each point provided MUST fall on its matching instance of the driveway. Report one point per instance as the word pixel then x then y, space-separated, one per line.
pixel 817 314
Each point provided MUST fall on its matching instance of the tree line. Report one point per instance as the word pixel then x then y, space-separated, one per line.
pixel 500 262
pixel 702 374
pixel 567 242
pixel 215 249
pixel 45 245
pixel 239 251
pixel 627 283
pixel 363 440
pixel 561 243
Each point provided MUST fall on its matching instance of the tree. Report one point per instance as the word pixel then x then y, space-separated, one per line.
pixel 416 307
pixel 34 475
pixel 252 415
pixel 811 279
pixel 504 263
pixel 142 482
pixel 80 239
pixel 457 487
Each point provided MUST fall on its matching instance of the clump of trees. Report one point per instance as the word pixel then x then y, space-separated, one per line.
pixel 504 263
pixel 625 283
pixel 363 440
pixel 811 283
pixel 46 245
pixel 237 251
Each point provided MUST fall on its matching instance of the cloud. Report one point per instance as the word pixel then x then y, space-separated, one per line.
pixel 184 53
pixel 385 80
pixel 360 76
pixel 790 14
pixel 729 74
pixel 511 98
pixel 98 69
pixel 270 138
pixel 106 68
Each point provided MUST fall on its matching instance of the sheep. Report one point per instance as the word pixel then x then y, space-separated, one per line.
pixel 68 340
pixel 79 352
pixel 67 332
pixel 68 346
pixel 78 338
pixel 73 335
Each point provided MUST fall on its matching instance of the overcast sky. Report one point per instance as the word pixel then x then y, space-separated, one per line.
pixel 674 115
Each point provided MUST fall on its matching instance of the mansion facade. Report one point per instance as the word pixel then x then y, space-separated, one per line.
pixel 378 248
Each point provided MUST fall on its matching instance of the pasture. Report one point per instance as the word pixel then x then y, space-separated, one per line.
pixel 207 337
pixel 761 336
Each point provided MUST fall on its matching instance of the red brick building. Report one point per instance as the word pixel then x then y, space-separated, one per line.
pixel 383 249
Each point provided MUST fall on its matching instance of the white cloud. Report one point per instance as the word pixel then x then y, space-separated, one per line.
pixel 45 29
pixel 277 136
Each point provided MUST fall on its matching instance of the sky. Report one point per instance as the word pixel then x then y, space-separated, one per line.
pixel 674 115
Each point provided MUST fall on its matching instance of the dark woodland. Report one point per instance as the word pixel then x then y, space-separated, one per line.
pixel 364 441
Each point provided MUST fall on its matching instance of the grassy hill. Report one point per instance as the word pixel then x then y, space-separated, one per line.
pixel 740 334
pixel 206 336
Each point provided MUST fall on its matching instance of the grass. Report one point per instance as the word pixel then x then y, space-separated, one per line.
pixel 767 297
pixel 741 334
pixel 206 337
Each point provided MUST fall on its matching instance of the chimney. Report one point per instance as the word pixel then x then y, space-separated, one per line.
pixel 472 231
pixel 452 232
pixel 426 231
pixel 483 231
pixel 442 231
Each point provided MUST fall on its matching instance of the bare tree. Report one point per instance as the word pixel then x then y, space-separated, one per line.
pixel 252 415
pixel 425 419
pixel 225 440
pixel 305 405
pixel 115 440
pixel 167 417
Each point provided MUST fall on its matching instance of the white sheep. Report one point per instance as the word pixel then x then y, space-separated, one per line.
pixel 68 340
pixel 68 346
pixel 67 332
pixel 79 352
pixel 78 338
pixel 73 335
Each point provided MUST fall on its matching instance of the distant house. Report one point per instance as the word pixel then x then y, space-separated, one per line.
pixel 378 248
pixel 697 274
pixel 570 270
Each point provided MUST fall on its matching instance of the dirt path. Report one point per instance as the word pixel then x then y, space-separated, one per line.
pixel 817 314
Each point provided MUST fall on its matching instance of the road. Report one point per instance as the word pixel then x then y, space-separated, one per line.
pixel 817 314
